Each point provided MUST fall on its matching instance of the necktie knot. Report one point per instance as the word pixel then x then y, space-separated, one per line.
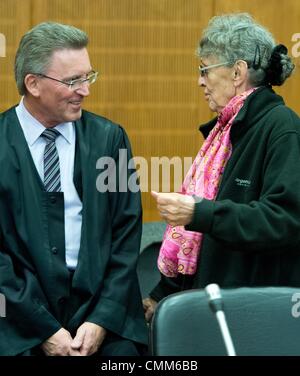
pixel 50 135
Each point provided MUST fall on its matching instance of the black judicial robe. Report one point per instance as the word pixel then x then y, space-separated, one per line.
pixel 33 274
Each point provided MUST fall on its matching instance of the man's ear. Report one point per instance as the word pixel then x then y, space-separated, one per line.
pixel 31 83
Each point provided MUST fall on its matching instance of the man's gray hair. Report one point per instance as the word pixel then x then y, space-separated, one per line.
pixel 238 36
pixel 38 45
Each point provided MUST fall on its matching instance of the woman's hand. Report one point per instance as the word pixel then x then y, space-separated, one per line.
pixel 175 208
pixel 149 307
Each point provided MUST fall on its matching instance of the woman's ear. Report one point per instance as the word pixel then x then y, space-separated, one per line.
pixel 31 83
pixel 240 73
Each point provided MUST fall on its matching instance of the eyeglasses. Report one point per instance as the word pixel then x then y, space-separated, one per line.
pixel 76 83
pixel 203 70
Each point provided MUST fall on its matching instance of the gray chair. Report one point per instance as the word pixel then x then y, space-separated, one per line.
pixel 262 321
pixel 148 273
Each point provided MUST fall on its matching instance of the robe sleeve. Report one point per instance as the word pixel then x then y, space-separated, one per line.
pixel 120 291
pixel 27 322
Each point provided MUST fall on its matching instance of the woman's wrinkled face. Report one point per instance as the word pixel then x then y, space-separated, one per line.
pixel 217 83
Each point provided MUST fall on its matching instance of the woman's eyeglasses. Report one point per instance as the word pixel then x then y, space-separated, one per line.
pixel 204 69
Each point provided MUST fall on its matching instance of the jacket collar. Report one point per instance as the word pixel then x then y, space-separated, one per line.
pixel 256 106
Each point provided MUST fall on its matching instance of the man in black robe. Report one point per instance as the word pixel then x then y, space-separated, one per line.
pixel 69 241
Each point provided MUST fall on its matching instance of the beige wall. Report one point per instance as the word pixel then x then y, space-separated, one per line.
pixel 145 53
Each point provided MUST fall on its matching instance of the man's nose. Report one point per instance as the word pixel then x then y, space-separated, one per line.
pixel 84 89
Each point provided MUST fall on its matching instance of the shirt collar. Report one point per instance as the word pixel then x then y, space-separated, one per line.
pixel 33 128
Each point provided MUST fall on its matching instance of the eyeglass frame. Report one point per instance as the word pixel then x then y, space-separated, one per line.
pixel 202 70
pixel 256 64
pixel 70 83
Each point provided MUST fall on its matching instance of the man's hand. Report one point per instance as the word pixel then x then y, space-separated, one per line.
pixel 175 208
pixel 149 308
pixel 58 344
pixel 88 339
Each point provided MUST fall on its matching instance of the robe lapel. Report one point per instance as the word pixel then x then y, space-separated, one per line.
pixel 21 150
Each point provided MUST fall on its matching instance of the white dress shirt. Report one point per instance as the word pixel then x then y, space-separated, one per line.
pixel 65 144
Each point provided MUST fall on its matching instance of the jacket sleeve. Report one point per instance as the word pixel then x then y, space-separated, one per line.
pixel 27 322
pixel 119 306
pixel 272 221
pixel 167 286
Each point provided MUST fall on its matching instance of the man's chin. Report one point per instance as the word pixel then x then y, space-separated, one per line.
pixel 74 115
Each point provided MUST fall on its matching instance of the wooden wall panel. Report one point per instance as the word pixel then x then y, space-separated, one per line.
pixel 14 22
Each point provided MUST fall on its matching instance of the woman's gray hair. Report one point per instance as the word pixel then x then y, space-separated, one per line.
pixel 38 45
pixel 233 37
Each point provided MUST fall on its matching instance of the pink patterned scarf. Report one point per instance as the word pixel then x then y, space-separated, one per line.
pixel 180 248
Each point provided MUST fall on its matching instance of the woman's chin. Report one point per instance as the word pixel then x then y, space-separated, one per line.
pixel 213 107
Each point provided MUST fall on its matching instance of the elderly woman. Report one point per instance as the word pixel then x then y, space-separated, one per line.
pixel 236 221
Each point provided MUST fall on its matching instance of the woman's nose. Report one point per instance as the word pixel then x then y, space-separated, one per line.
pixel 201 80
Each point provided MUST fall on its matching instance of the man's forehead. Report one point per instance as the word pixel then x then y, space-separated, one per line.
pixel 70 61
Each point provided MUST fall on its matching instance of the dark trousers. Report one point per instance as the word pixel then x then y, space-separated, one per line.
pixel 113 345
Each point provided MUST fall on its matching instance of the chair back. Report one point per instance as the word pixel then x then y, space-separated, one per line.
pixel 262 321
pixel 147 271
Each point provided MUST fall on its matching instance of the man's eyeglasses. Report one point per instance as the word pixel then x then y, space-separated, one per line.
pixel 203 70
pixel 77 83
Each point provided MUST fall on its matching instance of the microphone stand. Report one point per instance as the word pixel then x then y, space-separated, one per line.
pixel 216 304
